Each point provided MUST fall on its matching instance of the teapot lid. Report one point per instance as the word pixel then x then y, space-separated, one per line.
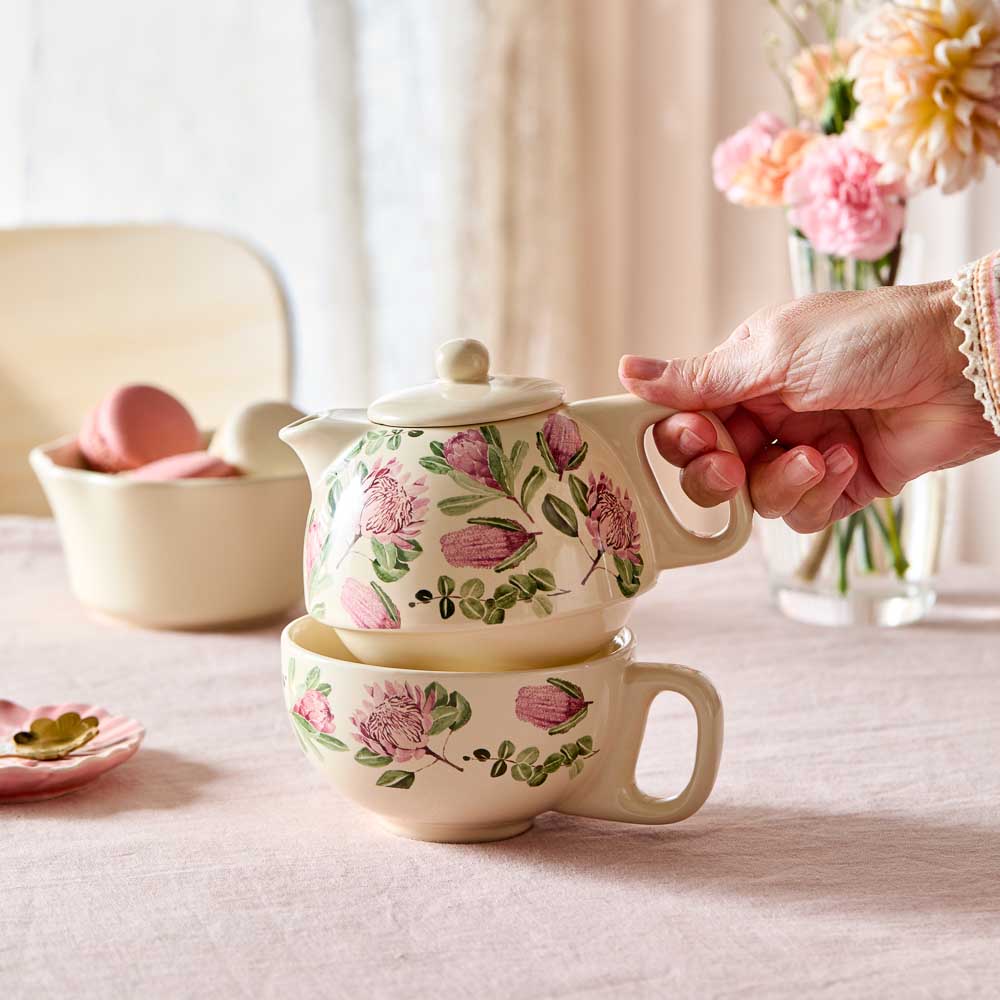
pixel 465 392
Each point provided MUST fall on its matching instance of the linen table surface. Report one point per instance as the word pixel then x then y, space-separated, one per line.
pixel 851 847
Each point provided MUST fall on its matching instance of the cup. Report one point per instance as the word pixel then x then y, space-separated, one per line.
pixel 472 756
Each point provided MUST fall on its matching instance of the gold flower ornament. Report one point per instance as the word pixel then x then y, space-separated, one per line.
pixel 51 739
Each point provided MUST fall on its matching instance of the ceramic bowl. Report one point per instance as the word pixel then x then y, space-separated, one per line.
pixel 474 756
pixel 23 780
pixel 192 553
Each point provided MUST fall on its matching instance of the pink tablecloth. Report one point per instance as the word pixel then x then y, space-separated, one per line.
pixel 852 846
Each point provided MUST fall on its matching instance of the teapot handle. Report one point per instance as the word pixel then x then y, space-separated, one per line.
pixel 623 421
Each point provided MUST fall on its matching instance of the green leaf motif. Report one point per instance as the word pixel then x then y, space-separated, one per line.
pixel 521 772
pixel 575 768
pixel 573 690
pixel 312 678
pixel 572 721
pixel 537 778
pixel 396 779
pixel 504 523
pixel 577 460
pixel 531 485
pixel 552 763
pixel 498 769
pixel 415 434
pixel 628 589
pixel 518 557
pixel 455 506
pixel 330 742
pixel 436 465
pixel 443 716
pixel 304 724
pixel 408 554
pixel 472 485
pixel 505 750
pixel 371 759
pixel 578 488
pixel 472 588
pixel 585 743
pixel 446 585
pixel 494 616
pixel 541 605
pixel 447 608
pixel 517 454
pixel 560 515
pixel 472 608
pixel 385 555
pixel 463 708
pixel 439 691
pixel 438 448
pixel 544 578
pixel 391 610
pixel 324 689
pixel 525 584
pixel 424 596
pixel 505 596
pixel 389 575
pixel 501 469
pixel 527 756
pixel 481 754
pixel 570 751
pixel 492 435
pixel 543 450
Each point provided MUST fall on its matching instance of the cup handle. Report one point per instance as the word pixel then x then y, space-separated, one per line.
pixel 613 794
pixel 623 421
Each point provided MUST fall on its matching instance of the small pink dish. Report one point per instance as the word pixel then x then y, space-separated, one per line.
pixel 23 780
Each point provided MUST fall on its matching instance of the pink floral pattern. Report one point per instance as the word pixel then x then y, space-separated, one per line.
pixel 612 523
pixel 395 720
pixel 315 709
pixel 365 606
pixel 546 706
pixel 392 507
pixel 483 545
pixel 314 544
pixel 562 435
pixel 468 452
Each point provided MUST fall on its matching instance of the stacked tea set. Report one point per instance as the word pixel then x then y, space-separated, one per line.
pixel 473 550
pixel 472 553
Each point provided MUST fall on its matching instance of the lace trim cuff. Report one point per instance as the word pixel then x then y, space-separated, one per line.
pixel 977 295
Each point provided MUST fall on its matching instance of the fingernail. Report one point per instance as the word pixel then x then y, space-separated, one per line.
pixel 717 481
pixel 801 470
pixel 690 443
pixel 644 369
pixel 838 459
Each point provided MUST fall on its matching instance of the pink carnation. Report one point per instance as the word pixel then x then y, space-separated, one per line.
pixel 732 154
pixel 837 201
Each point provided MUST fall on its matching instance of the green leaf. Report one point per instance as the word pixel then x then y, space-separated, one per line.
pixel 390 575
pixel 560 515
pixel 570 751
pixel 416 433
pixel 537 778
pixel 463 708
pixel 324 689
pixel 628 589
pixel 521 772
pixel 553 762
pixel 524 583
pixel 492 435
pixel 362 470
pixel 330 742
pixel 506 750
pixel 357 448
pixel 518 557
pixel 371 759
pixel 393 443
pixel 543 450
pixel 473 485
pixel 396 779
pixel 481 754
pixel 531 485
pixel 424 596
pixel 572 721
pixel 577 460
pixel 385 555
pixel 626 571
pixel 454 506
pixel 573 690
pixel 541 605
pixel 447 607
pixel 527 756
pixel 501 469
pixel 494 616
pixel 544 578
pixel 471 607
pixel 578 488
pixel 442 717
pixel 445 585
pixel 439 691
pixel 575 768
pixel 505 523
pixel 505 596
pixel 586 744
pixel 304 724
pixel 312 678
pixel 472 588
pixel 373 444
pixel 498 769
pixel 438 448
pixel 408 554
pixel 517 454
pixel 436 465
pixel 391 610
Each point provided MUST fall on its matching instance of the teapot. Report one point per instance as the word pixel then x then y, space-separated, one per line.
pixel 479 522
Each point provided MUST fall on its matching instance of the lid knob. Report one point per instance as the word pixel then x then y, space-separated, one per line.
pixel 463 360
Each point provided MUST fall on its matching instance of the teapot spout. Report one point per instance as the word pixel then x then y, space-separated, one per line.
pixel 320 438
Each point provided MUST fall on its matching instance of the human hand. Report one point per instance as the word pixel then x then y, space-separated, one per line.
pixel 832 400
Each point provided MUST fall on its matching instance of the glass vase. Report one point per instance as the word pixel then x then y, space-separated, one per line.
pixel 878 565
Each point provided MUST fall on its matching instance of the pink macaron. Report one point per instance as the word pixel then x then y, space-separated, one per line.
pixel 190 465
pixel 135 425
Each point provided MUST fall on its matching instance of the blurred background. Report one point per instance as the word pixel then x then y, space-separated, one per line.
pixel 534 173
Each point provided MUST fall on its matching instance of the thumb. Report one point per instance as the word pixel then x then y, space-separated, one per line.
pixel 734 372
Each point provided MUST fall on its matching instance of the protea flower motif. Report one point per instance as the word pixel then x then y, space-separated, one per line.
pixel 365 607
pixel 562 436
pixel 315 709
pixel 613 524
pixel 392 507
pixel 468 452
pixel 395 720
pixel 927 82
pixel 313 545
pixel 488 543
pixel 551 706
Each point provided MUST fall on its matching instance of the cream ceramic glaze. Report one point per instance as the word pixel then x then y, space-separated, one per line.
pixel 487 508
pixel 465 757
pixel 193 553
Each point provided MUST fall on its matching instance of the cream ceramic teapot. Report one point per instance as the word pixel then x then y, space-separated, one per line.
pixel 480 523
